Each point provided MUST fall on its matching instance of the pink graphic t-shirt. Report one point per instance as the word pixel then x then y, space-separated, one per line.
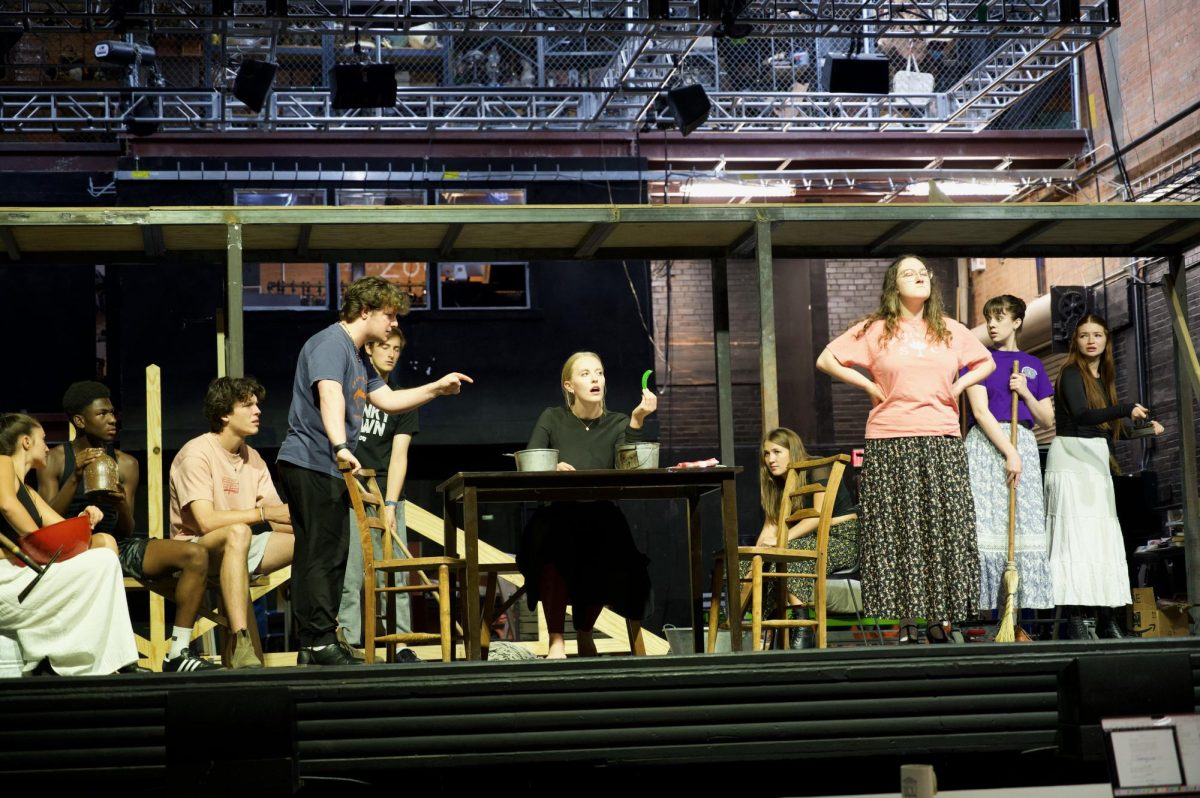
pixel 915 374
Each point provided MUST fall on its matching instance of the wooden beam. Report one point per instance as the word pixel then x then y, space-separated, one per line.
pixel 10 243
pixel 720 310
pixel 894 232
pixel 1028 234
pixel 768 367
pixel 1187 389
pixel 152 240
pixel 235 358
pixel 1166 231
pixel 450 239
pixel 302 240
pixel 744 245
pixel 596 235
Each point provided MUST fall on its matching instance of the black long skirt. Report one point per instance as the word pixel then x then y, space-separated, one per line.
pixel 591 545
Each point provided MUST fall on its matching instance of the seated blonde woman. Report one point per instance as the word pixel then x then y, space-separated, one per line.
pixel 780 447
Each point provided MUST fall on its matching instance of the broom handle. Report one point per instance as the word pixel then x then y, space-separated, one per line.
pixel 1012 488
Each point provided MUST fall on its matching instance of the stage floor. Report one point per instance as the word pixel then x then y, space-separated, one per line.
pixel 837 721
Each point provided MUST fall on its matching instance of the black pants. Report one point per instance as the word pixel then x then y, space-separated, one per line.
pixel 321 521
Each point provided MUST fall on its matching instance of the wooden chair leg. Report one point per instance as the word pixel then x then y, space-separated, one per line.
pixel 369 613
pixel 487 613
pixel 444 612
pixel 637 646
pixel 756 601
pixel 714 605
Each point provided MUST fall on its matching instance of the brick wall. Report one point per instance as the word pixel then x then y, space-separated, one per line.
pixel 687 378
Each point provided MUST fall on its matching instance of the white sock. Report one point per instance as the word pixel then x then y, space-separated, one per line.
pixel 181 638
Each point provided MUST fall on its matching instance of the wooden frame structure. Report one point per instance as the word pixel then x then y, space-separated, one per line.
pixel 183 235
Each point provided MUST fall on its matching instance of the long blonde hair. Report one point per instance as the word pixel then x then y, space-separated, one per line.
pixel 889 307
pixel 770 487
pixel 569 368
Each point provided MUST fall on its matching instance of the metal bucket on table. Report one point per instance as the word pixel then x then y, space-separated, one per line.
pixel 537 459
pixel 637 455
pixel 101 477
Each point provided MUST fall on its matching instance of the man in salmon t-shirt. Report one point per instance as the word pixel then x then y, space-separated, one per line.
pixel 222 497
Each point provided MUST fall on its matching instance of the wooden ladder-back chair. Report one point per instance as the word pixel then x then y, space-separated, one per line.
pixel 770 562
pixel 396 562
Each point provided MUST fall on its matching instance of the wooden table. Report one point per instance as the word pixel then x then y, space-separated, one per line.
pixel 475 488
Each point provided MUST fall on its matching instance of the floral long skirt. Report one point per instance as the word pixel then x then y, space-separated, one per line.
pixel 989 485
pixel 919 552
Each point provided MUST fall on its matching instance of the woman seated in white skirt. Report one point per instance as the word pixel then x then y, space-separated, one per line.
pixel 75 618
pixel 1087 550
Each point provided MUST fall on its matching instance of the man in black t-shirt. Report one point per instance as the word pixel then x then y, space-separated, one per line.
pixel 383 442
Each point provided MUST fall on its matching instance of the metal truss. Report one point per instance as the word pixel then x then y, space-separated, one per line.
pixel 907 19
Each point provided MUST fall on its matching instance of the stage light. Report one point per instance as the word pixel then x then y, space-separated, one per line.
pixel 139 119
pixel 959 188
pixel 737 189
pixel 125 53
pixel 730 28
pixel 253 81
pixel 362 86
pixel 689 106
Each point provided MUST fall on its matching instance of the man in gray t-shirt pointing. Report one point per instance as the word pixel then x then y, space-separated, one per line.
pixel 332 386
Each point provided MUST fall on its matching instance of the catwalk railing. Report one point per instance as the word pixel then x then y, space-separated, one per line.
pixel 904 19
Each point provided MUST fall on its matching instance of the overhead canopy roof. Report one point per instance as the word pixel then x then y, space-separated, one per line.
pixel 565 232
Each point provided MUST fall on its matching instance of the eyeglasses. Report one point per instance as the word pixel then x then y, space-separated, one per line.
pixel 909 274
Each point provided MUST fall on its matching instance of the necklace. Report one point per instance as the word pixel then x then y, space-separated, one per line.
pixel 588 423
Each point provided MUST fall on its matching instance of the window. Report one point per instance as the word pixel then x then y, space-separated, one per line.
pixel 411 276
pixel 482 286
pixel 283 286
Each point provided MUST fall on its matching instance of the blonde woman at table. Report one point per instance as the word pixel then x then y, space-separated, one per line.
pixel 582 553
pixel 919 552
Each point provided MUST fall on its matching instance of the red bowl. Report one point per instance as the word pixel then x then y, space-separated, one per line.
pixel 72 535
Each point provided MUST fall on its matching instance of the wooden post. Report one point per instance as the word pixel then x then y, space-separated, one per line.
pixel 235 361
pixel 154 507
pixel 1187 388
pixel 720 310
pixel 768 367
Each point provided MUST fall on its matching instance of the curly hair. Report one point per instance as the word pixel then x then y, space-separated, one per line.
pixel 889 307
pixel 372 293
pixel 81 394
pixel 225 393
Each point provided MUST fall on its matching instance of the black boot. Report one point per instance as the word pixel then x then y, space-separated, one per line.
pixel 1106 624
pixel 1076 628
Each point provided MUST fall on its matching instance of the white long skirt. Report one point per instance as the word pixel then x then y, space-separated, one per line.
pixel 1087 550
pixel 76 617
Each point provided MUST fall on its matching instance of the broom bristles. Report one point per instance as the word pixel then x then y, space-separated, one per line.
pixel 1005 634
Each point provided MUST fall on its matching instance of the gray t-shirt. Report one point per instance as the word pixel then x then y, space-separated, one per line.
pixel 328 355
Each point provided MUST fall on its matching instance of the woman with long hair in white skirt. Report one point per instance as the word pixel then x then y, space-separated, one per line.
pixel 75 619
pixel 1087 551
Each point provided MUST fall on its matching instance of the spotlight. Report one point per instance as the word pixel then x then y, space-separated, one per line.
pixel 252 83
pixel 125 53
pixel 363 86
pixel 690 106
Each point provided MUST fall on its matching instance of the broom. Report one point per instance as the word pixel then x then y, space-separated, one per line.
pixel 1011 579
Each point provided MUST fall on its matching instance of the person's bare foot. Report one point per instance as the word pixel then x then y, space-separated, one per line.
pixel 558 648
pixel 585 644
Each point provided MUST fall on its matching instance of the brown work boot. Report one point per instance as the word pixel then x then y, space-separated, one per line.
pixel 243 652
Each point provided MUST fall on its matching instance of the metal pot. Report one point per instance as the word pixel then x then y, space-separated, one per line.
pixel 637 455
pixel 537 459
pixel 101 476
